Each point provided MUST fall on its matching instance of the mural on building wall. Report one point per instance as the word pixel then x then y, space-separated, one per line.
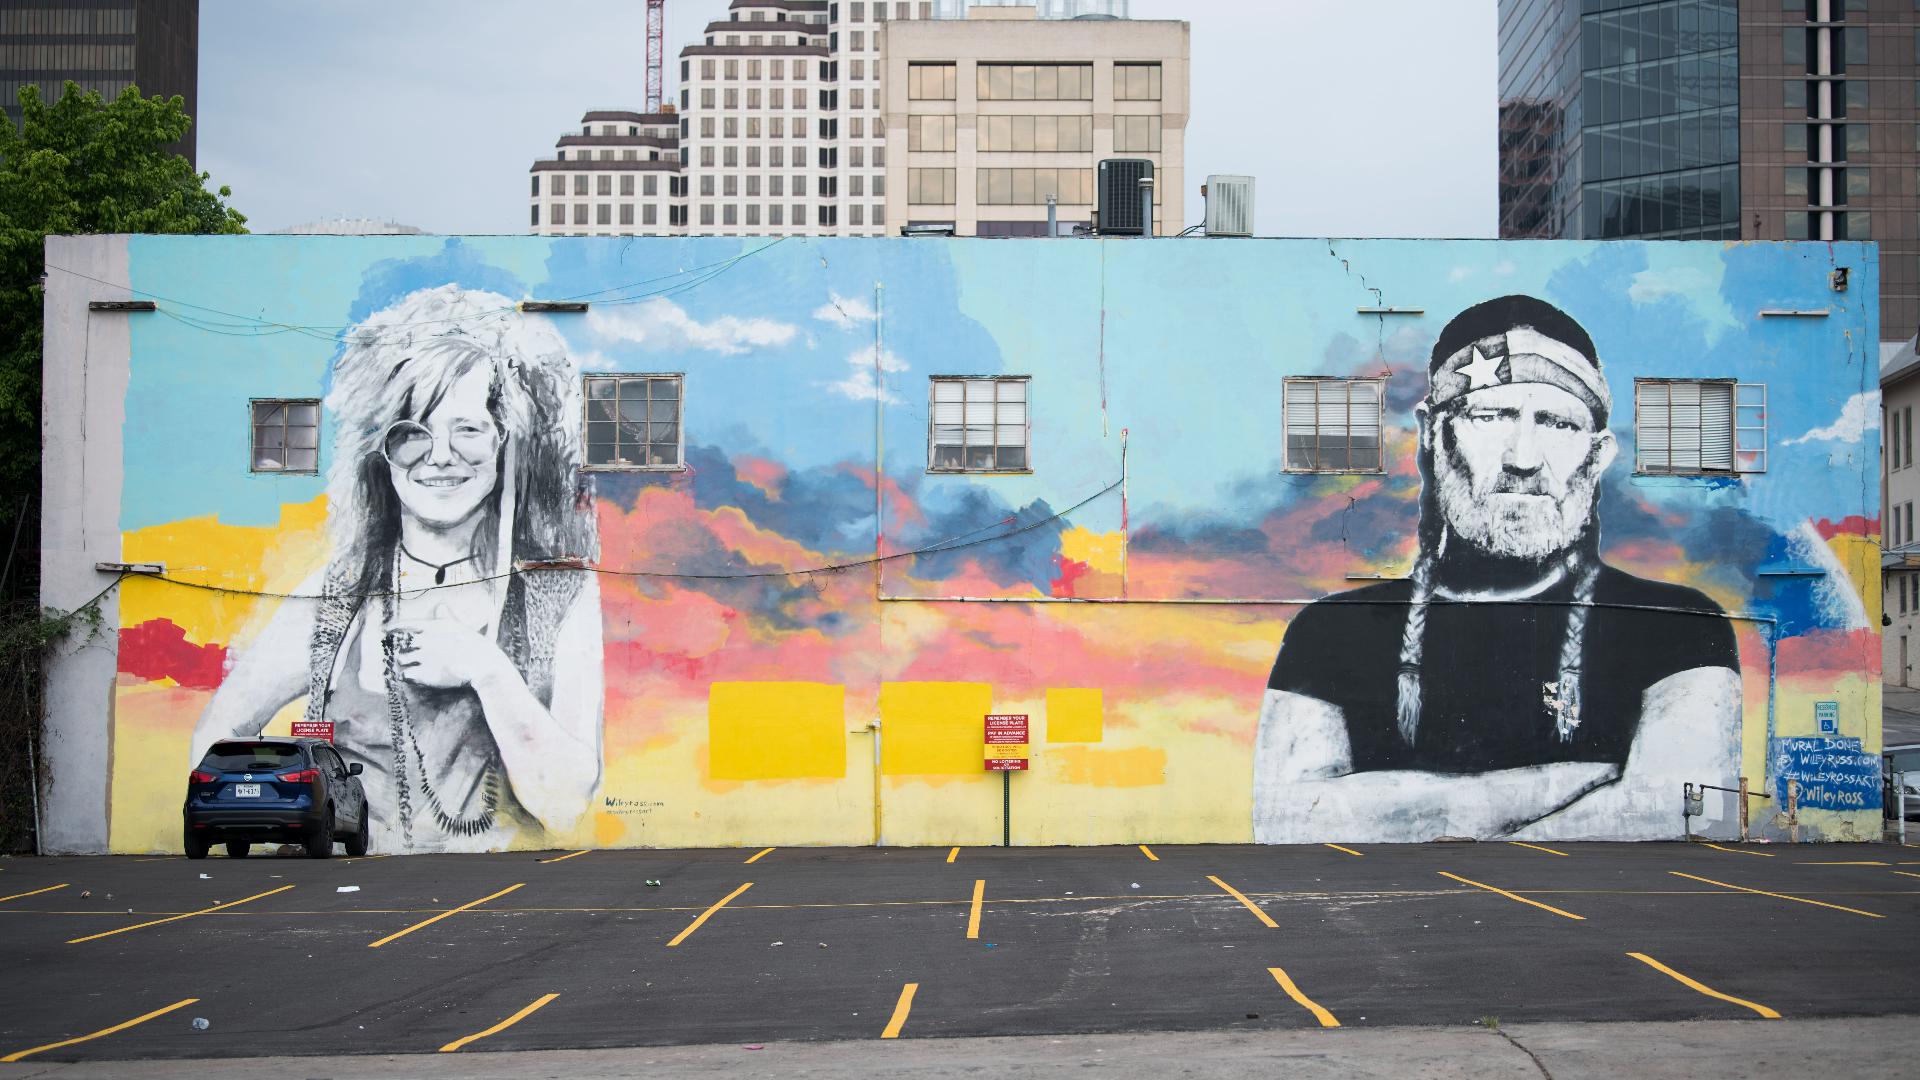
pixel 468 692
pixel 789 628
pixel 1513 679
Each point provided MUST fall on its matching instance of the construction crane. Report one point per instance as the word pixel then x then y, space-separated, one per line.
pixel 656 51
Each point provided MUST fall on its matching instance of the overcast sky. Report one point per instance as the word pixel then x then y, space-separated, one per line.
pixel 1358 118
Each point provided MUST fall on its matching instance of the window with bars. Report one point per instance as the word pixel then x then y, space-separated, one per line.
pixel 1332 425
pixel 978 425
pixel 633 422
pixel 286 435
pixel 1696 427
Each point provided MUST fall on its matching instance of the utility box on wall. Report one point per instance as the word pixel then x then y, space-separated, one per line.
pixel 1229 205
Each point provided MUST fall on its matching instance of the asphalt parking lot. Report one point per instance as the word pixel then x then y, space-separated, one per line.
pixel 119 958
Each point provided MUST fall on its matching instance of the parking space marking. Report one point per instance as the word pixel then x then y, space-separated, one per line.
pixel 1537 847
pixel 1861 863
pixel 1904 873
pixel 177 918
pixel 503 1025
pixel 1737 851
pixel 1148 852
pixel 758 855
pixel 62 885
pixel 443 915
pixel 708 914
pixel 1702 987
pixel 365 858
pixel 900 1010
pixel 1348 850
pixel 952 855
pixel 102 1033
pixel 1511 896
pixel 562 858
pixel 1286 983
pixel 1250 905
pixel 973 912
pixel 1779 896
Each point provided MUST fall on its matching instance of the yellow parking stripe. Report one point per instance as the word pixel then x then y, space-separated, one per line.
pixel 900 1010
pixel 1779 896
pixel 1326 1018
pixel 1865 862
pixel 62 885
pixel 563 858
pixel 758 855
pixel 445 914
pixel 952 855
pixel 1348 850
pixel 708 914
pixel 1738 851
pixel 1148 852
pixel 973 913
pixel 1511 896
pixel 1702 987
pixel 1250 905
pixel 177 918
pixel 501 1026
pixel 122 1026
pixel 1904 873
pixel 1537 847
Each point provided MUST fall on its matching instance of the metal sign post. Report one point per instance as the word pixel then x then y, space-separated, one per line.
pixel 1006 754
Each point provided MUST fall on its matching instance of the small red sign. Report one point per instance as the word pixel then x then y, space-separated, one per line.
pixel 1018 764
pixel 1007 729
pixel 313 729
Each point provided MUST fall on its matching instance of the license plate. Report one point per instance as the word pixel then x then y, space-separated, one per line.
pixel 246 791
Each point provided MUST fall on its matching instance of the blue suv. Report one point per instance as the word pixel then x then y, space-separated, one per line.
pixel 262 790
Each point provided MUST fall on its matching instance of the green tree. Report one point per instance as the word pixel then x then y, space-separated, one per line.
pixel 80 165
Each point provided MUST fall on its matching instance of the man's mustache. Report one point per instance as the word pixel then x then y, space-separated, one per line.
pixel 1513 483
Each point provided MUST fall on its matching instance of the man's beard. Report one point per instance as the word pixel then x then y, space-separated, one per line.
pixel 1517 517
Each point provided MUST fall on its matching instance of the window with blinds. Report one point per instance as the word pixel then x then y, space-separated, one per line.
pixel 978 425
pixel 1333 425
pixel 1699 427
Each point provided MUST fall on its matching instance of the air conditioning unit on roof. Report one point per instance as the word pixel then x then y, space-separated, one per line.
pixel 1229 205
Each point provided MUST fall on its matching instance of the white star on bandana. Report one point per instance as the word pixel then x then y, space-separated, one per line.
pixel 1482 371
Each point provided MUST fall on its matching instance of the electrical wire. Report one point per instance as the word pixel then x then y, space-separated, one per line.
pixel 941 548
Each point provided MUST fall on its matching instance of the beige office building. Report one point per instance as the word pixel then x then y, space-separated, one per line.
pixel 989 115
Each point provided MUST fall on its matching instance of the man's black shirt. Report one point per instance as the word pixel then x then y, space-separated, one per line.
pixel 1485 670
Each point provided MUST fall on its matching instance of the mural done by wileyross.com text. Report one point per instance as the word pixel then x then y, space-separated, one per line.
pixel 1280 541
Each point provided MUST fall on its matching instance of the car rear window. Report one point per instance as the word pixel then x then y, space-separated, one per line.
pixel 241 757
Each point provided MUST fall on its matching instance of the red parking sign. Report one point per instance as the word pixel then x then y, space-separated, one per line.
pixel 1007 742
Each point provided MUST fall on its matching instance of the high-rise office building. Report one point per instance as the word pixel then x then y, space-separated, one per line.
pixel 786 124
pixel 1732 119
pixel 103 45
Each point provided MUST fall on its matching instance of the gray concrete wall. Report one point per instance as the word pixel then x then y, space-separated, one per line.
pixel 84 406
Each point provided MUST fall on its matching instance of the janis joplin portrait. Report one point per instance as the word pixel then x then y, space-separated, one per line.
pixel 466 682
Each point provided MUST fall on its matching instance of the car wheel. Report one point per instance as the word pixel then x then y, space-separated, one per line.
pixel 320 841
pixel 356 843
pixel 237 849
pixel 196 847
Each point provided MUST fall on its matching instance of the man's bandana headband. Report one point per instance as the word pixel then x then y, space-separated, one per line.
pixel 1521 355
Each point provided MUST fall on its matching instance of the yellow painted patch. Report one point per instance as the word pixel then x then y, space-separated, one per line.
pixel 1141 766
pixel 933 728
pixel 1860 557
pixel 266 558
pixel 776 730
pixel 1100 551
pixel 1074 716
pixel 1006 751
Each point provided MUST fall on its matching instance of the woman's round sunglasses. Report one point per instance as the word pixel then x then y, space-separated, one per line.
pixel 407 443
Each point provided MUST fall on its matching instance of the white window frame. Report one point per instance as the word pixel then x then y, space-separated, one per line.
pixel 999 425
pixel 285 427
pixel 619 379
pixel 1295 385
pixel 1743 425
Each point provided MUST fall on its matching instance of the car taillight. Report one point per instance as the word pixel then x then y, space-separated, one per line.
pixel 201 776
pixel 304 776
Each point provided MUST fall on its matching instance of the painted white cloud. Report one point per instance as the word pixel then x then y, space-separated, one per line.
pixel 861 383
pixel 1696 286
pixel 844 311
pixel 662 324
pixel 1858 416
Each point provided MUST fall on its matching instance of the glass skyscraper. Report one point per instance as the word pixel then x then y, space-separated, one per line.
pixel 105 46
pixel 1732 119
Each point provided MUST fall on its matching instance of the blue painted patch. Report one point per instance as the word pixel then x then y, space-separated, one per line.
pixel 1834 774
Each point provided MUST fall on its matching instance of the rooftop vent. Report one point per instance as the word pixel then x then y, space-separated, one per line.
pixel 1229 205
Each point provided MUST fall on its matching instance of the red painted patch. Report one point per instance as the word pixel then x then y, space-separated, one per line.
pixel 158 649
pixel 1829 653
pixel 1852 525
pixel 1071 571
